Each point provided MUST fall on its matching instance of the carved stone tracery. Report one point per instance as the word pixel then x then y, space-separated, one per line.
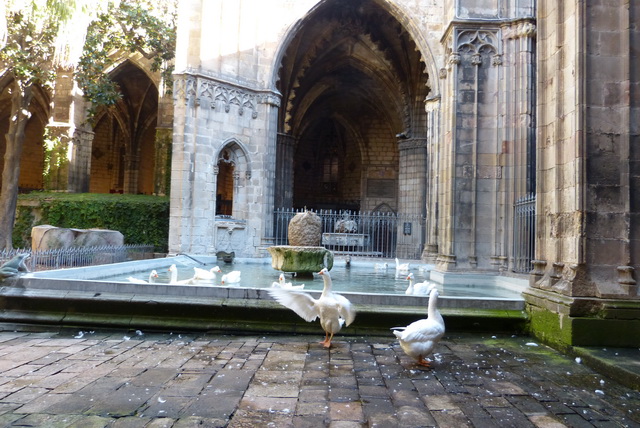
pixel 202 91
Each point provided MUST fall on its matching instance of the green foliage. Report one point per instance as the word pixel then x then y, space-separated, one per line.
pixel 25 220
pixel 142 219
pixel 131 27
pixel 29 49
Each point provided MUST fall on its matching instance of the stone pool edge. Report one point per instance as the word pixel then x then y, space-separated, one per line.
pixel 86 308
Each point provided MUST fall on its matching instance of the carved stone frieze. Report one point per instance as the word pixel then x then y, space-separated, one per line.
pixel 208 92
pixel 519 29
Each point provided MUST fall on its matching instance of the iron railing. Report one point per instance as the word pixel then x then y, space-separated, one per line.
pixel 78 256
pixel 524 231
pixel 357 233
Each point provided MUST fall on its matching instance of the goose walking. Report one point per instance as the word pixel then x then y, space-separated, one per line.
pixel 419 338
pixel 334 310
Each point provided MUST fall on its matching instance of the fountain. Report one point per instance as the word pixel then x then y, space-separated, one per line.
pixel 303 256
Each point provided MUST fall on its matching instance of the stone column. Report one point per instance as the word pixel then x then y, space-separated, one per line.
pixel 80 165
pixel 131 171
pixel 411 198
pixel 432 107
pixel 518 141
pixel 584 289
pixel 470 162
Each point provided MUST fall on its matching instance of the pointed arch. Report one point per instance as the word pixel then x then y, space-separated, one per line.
pixel 232 172
pixel 123 152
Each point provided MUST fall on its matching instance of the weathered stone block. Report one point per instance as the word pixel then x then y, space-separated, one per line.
pixel 305 229
pixel 47 237
pixel 288 258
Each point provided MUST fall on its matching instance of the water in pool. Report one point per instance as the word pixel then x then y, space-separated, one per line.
pixel 361 278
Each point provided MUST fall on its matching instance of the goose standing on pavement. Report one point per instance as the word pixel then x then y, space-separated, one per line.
pixel 334 310
pixel 419 338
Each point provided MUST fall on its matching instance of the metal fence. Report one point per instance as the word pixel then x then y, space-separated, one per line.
pixel 357 233
pixel 524 231
pixel 79 256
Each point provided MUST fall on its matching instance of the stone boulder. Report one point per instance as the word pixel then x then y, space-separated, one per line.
pixel 47 237
pixel 305 230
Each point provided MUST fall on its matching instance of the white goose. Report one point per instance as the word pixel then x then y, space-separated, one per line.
pixel 380 267
pixel 280 283
pixel 232 277
pixel 203 274
pixel 173 277
pixel 420 288
pixel 151 280
pixel 419 338
pixel 333 309
pixel 402 267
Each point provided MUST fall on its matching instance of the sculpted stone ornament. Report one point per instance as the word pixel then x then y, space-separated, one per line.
pixel 14 266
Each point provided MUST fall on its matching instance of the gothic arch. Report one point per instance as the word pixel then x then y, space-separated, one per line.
pixel 123 151
pixel 351 71
pixel 232 172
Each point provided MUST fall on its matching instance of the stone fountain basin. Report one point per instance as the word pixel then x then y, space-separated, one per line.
pixel 85 297
pixel 300 259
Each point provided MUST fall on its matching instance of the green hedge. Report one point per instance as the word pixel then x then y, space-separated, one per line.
pixel 142 219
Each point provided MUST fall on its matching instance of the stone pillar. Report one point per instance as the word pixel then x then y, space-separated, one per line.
pixel 471 164
pixel 411 198
pixel 131 172
pixel 432 107
pixel 584 290
pixel 284 170
pixel 518 139
pixel 80 164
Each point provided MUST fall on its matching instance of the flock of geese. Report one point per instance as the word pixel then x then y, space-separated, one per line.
pixel 417 339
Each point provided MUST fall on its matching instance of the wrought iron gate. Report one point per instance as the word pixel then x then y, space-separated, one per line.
pixel 524 231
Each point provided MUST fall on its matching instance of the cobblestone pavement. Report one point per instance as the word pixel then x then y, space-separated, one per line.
pixel 71 378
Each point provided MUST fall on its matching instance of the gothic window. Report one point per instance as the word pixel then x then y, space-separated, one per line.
pixel 330 171
pixel 224 191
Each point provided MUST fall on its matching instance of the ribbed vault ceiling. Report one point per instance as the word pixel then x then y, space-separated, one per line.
pixel 351 59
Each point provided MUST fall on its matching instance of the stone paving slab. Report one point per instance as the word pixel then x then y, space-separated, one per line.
pixel 54 377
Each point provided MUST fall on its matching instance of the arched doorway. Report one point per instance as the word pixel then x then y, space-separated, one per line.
pixel 353 86
pixel 123 149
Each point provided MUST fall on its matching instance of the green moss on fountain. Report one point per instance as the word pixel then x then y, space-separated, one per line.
pixel 288 258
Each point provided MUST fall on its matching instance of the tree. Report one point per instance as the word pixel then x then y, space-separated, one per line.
pixel 37 37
